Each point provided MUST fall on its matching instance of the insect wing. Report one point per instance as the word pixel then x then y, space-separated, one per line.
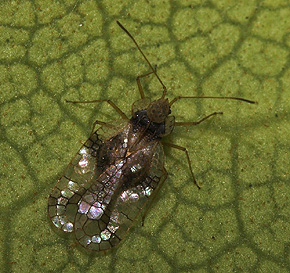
pixel 107 210
pixel 78 176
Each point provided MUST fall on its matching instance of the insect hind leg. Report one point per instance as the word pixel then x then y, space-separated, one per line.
pixel 187 156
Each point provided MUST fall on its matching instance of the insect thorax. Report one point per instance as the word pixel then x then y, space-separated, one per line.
pixel 141 122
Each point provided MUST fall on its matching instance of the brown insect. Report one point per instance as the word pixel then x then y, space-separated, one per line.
pixel 119 167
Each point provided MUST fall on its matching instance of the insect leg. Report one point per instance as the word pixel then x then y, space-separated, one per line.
pixel 138 47
pixel 118 110
pixel 102 123
pixel 187 156
pixel 197 122
pixel 139 83
pixel 154 195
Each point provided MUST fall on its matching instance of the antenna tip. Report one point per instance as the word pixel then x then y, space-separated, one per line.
pixel 250 101
pixel 254 102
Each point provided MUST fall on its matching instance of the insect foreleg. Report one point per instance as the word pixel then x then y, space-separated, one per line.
pixel 197 122
pixel 118 110
pixel 139 83
pixel 138 47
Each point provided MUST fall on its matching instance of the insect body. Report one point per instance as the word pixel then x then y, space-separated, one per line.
pixel 108 182
pixel 115 172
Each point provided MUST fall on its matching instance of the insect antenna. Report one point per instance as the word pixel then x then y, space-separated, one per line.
pixel 138 47
pixel 207 97
pixel 164 87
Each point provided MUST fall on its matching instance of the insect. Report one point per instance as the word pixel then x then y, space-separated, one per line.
pixel 117 170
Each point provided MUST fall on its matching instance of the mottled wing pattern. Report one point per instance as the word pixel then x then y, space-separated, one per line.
pixel 92 199
pixel 78 176
pixel 107 209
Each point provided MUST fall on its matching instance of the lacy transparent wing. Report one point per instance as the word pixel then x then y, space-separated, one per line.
pixel 109 206
pixel 78 176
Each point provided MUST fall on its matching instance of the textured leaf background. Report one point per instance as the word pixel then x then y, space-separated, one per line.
pixel 57 50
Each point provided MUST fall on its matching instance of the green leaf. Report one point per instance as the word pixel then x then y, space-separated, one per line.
pixel 57 50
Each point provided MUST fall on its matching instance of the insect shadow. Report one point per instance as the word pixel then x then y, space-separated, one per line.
pixel 119 169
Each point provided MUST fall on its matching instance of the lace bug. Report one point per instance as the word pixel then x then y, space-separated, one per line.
pixel 117 170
